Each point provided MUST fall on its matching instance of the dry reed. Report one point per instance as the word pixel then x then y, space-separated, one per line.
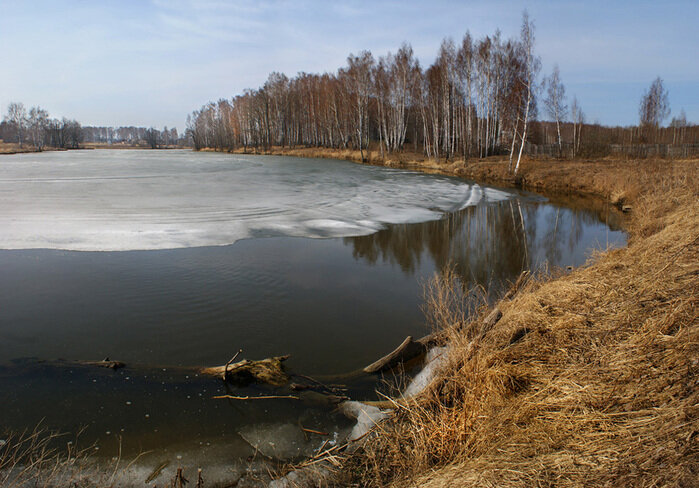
pixel 589 379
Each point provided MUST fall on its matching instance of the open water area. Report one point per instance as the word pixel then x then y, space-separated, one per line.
pixel 173 260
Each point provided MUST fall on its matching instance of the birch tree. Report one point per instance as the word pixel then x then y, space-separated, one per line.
pixel 359 77
pixel 531 64
pixel 655 107
pixel 577 117
pixel 37 124
pixel 17 117
pixel 555 102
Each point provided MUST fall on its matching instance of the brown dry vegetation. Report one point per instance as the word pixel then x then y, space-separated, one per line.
pixel 589 379
pixel 13 148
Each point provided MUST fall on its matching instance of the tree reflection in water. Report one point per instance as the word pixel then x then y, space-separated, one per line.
pixel 491 244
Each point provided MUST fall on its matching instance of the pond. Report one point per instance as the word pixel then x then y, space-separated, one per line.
pixel 173 260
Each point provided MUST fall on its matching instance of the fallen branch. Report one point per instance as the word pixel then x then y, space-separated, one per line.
pixel 263 397
pixel 225 369
pixel 409 349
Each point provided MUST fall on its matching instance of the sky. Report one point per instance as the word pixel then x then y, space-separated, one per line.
pixel 151 62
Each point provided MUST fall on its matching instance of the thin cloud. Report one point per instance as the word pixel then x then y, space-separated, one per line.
pixel 109 63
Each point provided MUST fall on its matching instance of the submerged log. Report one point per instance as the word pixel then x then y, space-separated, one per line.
pixel 317 399
pixel 105 363
pixel 409 349
pixel 270 371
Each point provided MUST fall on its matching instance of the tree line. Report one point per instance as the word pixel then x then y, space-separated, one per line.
pixel 480 97
pixel 36 128
pixel 476 99
pixel 134 136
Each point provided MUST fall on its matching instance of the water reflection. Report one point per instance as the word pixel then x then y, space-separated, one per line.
pixel 490 244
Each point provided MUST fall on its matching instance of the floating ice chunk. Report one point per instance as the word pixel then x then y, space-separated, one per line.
pixel 367 417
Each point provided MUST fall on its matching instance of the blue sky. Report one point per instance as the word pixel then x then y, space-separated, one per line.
pixel 132 62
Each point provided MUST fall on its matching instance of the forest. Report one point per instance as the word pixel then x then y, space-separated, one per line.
pixel 480 97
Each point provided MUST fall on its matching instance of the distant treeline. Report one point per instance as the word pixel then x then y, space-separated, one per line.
pixel 478 98
pixel 133 136
pixel 34 127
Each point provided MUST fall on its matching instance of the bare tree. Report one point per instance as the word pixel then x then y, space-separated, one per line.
pixel 555 102
pixel 578 119
pixel 359 76
pixel 73 133
pixel 152 138
pixel 654 108
pixel 38 122
pixel 532 65
pixel 679 127
pixel 464 62
pixel 17 117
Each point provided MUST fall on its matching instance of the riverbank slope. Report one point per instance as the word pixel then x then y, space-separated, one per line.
pixel 589 378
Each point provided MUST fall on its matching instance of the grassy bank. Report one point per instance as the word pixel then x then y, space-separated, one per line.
pixel 589 378
pixel 13 148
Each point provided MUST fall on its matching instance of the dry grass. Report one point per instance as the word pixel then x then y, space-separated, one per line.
pixel 589 379
pixel 42 458
pixel 13 148
pixel 33 458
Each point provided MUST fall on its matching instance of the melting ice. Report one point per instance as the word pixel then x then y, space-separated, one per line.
pixel 125 200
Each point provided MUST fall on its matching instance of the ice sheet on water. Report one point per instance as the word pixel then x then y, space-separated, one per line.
pixel 125 200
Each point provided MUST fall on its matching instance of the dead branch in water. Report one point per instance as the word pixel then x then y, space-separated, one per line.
pixel 408 349
pixel 263 397
pixel 225 369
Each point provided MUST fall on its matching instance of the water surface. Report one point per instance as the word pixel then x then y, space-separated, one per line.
pixel 170 300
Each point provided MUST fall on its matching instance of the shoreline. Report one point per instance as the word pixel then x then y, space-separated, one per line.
pixel 612 179
pixel 89 146
pixel 513 382
pixel 559 390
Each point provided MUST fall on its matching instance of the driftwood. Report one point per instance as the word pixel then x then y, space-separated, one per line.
pixel 409 349
pixel 489 322
pixel 514 289
pixel 270 371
